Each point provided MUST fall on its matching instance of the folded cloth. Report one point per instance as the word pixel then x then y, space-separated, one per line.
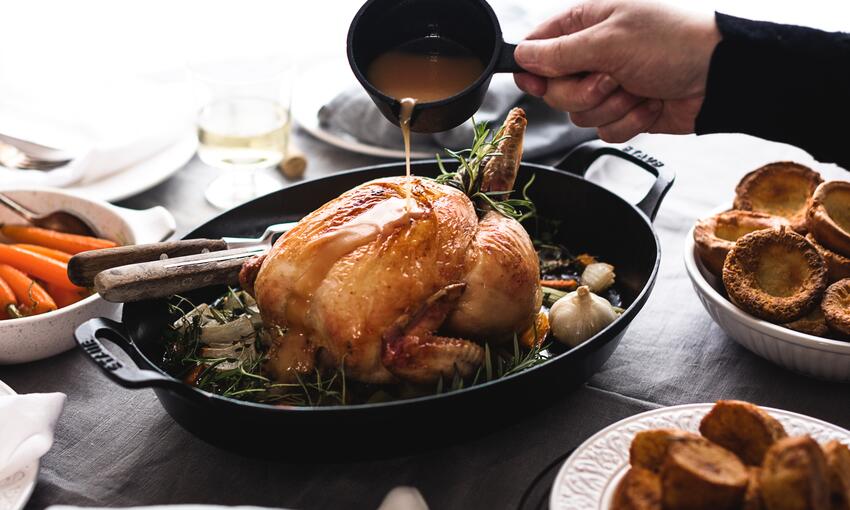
pixel 26 428
pixel 549 131
pixel 404 498
pixel 107 127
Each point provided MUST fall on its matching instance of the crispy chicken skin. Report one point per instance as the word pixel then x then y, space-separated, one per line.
pixel 395 279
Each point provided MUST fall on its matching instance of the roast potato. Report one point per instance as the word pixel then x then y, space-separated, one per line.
pixel 699 475
pixel 752 498
pixel 794 475
pixel 640 489
pixel 649 447
pixel 838 464
pixel 742 428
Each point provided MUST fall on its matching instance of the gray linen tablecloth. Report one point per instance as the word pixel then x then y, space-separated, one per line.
pixel 116 447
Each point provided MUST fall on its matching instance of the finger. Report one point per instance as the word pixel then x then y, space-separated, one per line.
pixel 613 108
pixel 531 84
pixel 637 121
pixel 574 19
pixel 579 93
pixel 564 55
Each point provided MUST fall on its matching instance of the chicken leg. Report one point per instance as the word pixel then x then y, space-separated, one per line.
pixel 412 352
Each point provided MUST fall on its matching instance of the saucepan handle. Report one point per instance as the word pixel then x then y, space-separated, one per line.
pixel 89 335
pixel 506 62
pixel 578 161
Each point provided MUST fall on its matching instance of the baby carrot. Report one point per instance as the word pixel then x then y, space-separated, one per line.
pixel 32 296
pixel 569 284
pixel 61 256
pixel 8 301
pixel 37 265
pixel 65 297
pixel 69 243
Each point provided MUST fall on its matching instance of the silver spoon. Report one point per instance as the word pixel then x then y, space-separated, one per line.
pixel 61 221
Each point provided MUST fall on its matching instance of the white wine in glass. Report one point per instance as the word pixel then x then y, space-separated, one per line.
pixel 243 125
pixel 242 132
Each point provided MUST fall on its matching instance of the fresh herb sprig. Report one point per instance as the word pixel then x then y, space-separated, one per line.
pixel 469 174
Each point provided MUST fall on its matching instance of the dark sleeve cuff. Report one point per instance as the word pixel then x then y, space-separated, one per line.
pixel 781 82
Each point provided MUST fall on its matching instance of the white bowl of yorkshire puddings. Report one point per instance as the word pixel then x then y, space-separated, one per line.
pixel 32 262
pixel 774 270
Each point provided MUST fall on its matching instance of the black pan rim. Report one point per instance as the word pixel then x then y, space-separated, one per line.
pixel 608 334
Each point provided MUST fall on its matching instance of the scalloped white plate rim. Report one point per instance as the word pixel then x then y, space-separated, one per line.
pixel 14 495
pixel 599 498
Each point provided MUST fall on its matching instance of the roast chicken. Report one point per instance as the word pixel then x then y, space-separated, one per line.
pixel 399 279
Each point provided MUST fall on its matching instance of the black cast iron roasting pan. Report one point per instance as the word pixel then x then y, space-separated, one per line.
pixel 593 219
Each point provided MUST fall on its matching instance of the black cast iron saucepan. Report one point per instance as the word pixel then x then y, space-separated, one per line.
pixel 381 25
pixel 593 219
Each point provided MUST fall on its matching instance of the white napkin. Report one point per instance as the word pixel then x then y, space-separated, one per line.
pixel 404 498
pixel 26 428
pixel 108 126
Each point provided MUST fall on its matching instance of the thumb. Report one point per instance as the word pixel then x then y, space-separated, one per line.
pixel 560 56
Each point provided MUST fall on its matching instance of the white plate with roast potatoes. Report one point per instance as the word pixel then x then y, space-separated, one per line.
pixel 591 477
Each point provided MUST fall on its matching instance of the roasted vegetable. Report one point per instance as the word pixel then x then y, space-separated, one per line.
pixel 68 243
pixel 794 475
pixel 838 463
pixel 640 489
pixel 31 297
pixel 649 447
pixel 579 315
pixel 37 265
pixel 742 428
pixel 598 277
pixel 752 498
pixel 699 475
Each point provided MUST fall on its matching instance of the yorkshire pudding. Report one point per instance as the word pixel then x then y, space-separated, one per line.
pixel 814 323
pixel 837 265
pixel 775 274
pixel 829 216
pixel 781 189
pixel 836 307
pixel 716 235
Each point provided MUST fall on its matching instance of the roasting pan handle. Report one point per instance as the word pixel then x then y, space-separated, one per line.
pixel 578 161
pixel 89 335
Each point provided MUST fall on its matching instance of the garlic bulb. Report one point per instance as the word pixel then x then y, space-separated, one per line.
pixel 579 315
pixel 598 276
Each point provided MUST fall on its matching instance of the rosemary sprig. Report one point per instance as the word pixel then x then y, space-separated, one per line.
pixel 468 175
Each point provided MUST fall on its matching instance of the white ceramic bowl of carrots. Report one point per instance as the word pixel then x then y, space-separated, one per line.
pixel 39 306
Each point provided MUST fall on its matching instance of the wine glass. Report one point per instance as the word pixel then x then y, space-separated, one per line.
pixel 243 124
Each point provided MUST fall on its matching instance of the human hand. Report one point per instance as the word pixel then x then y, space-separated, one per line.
pixel 621 66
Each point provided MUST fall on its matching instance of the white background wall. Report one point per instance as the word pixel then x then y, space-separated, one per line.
pixel 49 44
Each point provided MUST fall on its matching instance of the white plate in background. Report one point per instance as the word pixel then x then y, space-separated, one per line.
pixel 589 477
pixel 141 176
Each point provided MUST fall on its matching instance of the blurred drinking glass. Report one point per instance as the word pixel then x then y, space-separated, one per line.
pixel 243 124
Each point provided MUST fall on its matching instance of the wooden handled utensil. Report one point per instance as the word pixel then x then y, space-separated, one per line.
pixel 83 267
pixel 131 273
pixel 161 278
